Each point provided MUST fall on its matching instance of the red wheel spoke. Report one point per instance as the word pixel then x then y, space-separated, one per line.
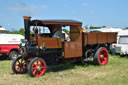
pixel 37 74
pixel 40 72
pixel 34 68
pixel 40 64
pixel 34 71
pixel 34 64
pixel 18 61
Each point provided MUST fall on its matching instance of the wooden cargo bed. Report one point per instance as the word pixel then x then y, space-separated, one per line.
pixel 92 38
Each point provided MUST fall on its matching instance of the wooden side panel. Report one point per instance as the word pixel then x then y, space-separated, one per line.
pixel 85 39
pixel 102 37
pixel 112 37
pixel 92 38
pixel 50 42
pixel 72 49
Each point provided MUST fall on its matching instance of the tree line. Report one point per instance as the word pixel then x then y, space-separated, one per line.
pixel 13 31
pixel 21 30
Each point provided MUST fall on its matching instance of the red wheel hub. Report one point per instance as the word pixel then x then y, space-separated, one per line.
pixel 103 56
pixel 38 68
pixel 21 66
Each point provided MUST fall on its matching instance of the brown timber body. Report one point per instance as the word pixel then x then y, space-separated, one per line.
pixel 93 38
pixel 75 47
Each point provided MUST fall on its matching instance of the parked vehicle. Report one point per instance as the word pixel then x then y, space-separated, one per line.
pixel 9 45
pixel 2 29
pixel 105 29
pixel 108 29
pixel 40 50
pixel 121 47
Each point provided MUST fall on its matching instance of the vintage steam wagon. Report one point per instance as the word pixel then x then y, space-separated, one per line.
pixel 40 50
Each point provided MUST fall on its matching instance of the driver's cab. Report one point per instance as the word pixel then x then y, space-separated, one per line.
pixel 55 32
pixel 49 34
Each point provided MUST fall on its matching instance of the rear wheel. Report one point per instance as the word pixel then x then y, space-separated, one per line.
pixel 13 55
pixel 19 65
pixel 101 56
pixel 37 67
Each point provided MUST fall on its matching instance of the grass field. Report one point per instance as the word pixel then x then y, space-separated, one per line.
pixel 114 73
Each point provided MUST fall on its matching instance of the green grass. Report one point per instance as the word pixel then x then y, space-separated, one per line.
pixel 114 73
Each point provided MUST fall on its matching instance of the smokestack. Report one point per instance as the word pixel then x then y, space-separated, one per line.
pixel 27 27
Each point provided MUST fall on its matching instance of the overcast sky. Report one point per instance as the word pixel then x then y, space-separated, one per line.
pixel 92 12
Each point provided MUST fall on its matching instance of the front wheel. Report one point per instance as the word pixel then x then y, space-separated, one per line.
pixel 37 67
pixel 19 65
pixel 101 56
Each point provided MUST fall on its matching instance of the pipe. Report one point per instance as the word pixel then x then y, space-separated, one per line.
pixel 27 27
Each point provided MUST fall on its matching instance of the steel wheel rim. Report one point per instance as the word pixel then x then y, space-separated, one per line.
pixel 38 68
pixel 103 57
pixel 21 66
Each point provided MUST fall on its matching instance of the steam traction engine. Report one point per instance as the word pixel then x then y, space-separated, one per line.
pixel 39 49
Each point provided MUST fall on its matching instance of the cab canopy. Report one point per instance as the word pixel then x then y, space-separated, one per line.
pixel 55 22
pixel 75 26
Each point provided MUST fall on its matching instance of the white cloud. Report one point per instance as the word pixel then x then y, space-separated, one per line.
pixel 85 4
pixel 26 8
pixel 43 6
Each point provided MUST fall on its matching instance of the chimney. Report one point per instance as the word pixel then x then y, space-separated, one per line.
pixel 27 27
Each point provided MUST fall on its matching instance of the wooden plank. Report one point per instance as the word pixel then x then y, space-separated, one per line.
pixel 50 42
pixel 112 37
pixel 102 38
pixel 92 38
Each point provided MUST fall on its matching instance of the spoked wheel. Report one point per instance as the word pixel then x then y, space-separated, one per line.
pixel 19 65
pixel 37 67
pixel 101 56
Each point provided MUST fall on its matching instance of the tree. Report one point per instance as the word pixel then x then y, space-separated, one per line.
pixel 13 31
pixel 65 30
pixel 126 27
pixel 21 31
pixel 0 26
pixel 92 27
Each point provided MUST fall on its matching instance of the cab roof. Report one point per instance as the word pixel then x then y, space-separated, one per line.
pixel 55 22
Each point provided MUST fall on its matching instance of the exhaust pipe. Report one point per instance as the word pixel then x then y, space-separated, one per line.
pixel 27 27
